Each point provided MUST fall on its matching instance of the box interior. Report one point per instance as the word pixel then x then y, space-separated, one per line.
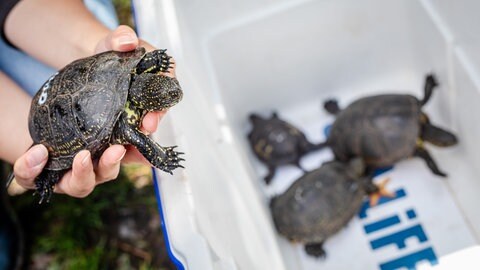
pixel 239 57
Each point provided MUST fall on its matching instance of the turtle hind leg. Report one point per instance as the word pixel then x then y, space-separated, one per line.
pixel 316 250
pixel 45 183
pixel 430 84
pixel 331 106
pixel 374 191
pixel 423 153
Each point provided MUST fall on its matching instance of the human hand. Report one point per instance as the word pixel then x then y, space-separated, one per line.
pixel 84 176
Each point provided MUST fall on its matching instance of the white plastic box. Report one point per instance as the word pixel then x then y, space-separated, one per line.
pixel 237 57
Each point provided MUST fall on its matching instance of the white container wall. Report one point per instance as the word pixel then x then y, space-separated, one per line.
pixel 238 57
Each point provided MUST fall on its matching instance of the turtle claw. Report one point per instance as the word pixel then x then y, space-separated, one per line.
pixel 170 160
pixel 165 61
pixel 382 192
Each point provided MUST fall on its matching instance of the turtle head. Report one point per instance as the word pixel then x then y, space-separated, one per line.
pixel 357 166
pixel 435 135
pixel 150 89
pixel 438 136
pixel 154 92
pixel 255 118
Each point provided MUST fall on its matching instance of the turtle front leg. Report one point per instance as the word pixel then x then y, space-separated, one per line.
pixel 423 153
pixel 163 158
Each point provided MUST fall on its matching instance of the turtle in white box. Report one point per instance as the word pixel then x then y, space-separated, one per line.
pixel 321 202
pixel 385 129
pixel 276 143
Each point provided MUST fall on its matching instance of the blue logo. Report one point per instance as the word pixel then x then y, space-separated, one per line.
pixel 398 237
pixel 401 225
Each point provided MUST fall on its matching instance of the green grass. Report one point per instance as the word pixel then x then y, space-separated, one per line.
pixel 72 233
pixel 124 12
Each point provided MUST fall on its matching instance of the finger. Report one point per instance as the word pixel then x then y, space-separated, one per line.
pixel 121 39
pixel 30 165
pixel 150 122
pixel 134 156
pixel 109 163
pixel 80 181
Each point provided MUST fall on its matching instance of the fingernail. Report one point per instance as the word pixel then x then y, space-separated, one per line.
pixel 85 158
pixel 120 159
pixel 37 155
pixel 126 39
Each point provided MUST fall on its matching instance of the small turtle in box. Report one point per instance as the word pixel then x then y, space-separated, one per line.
pixel 323 201
pixel 276 142
pixel 101 100
pixel 385 129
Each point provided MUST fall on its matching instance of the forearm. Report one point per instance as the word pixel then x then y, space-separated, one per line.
pixel 55 32
pixel 14 108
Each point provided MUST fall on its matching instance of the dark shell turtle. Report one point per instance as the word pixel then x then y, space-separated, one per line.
pixel 321 202
pixel 100 100
pixel 384 129
pixel 276 143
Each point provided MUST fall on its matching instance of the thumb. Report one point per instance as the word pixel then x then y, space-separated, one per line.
pixel 29 166
pixel 121 39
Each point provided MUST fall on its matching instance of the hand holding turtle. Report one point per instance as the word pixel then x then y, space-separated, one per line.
pixel 84 176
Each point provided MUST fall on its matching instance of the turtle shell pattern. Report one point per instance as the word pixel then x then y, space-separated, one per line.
pixel 318 204
pixel 277 142
pixel 382 129
pixel 78 107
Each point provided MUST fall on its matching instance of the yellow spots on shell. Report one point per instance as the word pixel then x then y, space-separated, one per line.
pixel 259 146
pixel 69 147
pixel 268 150
pixel 263 149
